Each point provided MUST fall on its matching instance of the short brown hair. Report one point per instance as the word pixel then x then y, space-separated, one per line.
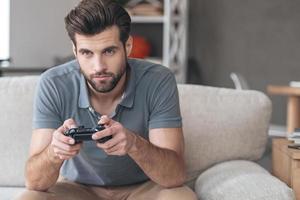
pixel 91 17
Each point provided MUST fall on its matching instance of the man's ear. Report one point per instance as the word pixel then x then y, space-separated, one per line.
pixel 128 45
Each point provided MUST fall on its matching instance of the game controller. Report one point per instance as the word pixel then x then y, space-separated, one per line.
pixel 85 134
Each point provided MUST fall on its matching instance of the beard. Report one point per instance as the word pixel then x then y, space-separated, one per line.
pixel 107 85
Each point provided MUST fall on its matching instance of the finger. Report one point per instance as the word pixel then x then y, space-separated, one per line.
pixel 61 148
pixel 69 123
pixel 117 138
pixel 64 146
pixel 59 136
pixel 116 150
pixel 108 144
pixel 112 149
pixel 105 120
pixel 63 154
pixel 76 147
pixel 106 132
pixel 64 157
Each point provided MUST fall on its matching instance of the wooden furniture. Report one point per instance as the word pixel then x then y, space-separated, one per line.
pixel 286 161
pixel 286 164
pixel 174 32
pixel 293 105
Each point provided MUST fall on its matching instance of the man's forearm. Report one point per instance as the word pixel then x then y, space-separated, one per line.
pixel 163 166
pixel 42 170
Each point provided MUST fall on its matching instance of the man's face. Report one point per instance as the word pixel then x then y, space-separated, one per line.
pixel 102 58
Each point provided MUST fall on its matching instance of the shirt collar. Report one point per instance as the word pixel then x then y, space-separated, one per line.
pixel 127 97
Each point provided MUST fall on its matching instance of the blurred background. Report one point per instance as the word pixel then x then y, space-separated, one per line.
pixel 202 41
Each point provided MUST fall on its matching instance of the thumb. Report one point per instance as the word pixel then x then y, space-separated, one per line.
pixel 69 123
pixel 105 120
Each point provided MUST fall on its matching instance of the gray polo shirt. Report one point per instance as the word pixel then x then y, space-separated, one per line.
pixel 150 101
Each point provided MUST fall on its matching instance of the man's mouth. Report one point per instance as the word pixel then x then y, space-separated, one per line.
pixel 102 77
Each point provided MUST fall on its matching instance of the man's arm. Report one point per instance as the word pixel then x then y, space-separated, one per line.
pixel 161 158
pixel 42 167
pixel 48 149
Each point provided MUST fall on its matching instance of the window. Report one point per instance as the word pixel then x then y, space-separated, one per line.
pixel 4 30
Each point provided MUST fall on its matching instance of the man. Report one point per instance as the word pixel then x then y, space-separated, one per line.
pixel 136 101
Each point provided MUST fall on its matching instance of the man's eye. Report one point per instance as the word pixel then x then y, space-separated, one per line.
pixel 85 52
pixel 109 52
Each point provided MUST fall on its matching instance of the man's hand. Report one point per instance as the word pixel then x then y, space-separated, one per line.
pixel 62 146
pixel 122 141
pixel 48 150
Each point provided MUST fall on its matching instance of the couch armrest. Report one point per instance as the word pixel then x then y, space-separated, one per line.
pixel 222 124
pixel 235 180
pixel 16 100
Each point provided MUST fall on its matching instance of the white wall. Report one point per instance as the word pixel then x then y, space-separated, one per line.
pixel 37 32
pixel 257 38
pixel 4 33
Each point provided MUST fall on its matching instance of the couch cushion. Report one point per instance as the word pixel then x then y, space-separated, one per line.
pixel 222 124
pixel 219 124
pixel 235 180
pixel 16 99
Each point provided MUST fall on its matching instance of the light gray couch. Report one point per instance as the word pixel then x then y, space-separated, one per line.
pixel 225 130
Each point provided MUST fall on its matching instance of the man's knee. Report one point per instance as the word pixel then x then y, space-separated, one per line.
pixel 60 191
pixel 177 193
pixel 33 195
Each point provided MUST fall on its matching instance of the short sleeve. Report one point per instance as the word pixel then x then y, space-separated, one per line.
pixel 164 104
pixel 46 105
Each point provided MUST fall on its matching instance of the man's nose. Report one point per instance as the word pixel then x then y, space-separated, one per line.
pixel 99 64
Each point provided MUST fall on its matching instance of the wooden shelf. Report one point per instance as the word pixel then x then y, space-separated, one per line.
pixel 286 164
pixel 283 90
pixel 172 21
pixel 147 19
